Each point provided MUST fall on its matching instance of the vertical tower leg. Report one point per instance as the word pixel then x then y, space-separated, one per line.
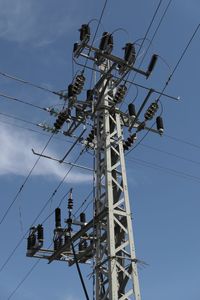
pixel 116 263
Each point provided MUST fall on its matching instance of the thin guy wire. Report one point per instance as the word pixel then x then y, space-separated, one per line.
pixel 25 181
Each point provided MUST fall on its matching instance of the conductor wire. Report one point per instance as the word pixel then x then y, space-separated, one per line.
pixel 25 181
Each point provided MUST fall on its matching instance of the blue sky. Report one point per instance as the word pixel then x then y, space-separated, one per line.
pixel 36 41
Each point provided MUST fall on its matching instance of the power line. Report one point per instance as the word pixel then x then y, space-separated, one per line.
pixel 12 77
pixel 165 169
pixel 171 154
pixel 25 181
pixel 60 203
pixel 182 141
pixel 22 101
pixel 35 131
pixel 180 59
pixel 147 31
pixel 97 28
pixel 84 202
pixel 17 118
pixel 23 279
pixel 39 214
pixel 68 141
pixel 156 30
pixel 149 27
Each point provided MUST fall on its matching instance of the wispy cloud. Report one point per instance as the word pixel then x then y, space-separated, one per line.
pixel 17 159
pixel 27 21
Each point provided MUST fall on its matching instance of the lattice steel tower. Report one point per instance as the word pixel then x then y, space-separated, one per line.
pixel 108 236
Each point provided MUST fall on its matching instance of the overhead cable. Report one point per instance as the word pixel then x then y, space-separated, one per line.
pixel 24 182
pixel 166 169
pixel 35 131
pixel 171 154
pixel 151 40
pixel 180 59
pixel 22 101
pixel 97 28
pixel 12 77
pixel 24 278
pixel 147 31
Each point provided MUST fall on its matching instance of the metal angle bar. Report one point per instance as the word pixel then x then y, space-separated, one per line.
pixel 135 279
pixel 105 76
pixel 100 96
pixel 117 204
pixel 122 246
pixel 124 229
pixel 115 166
pixel 120 213
pixel 65 162
pixel 113 134
pixel 137 84
pixel 114 149
pixel 70 149
pixel 46 250
pixel 130 292
pixel 117 183
pixel 123 269
pixel 117 60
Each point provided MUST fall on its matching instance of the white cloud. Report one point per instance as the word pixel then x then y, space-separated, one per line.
pixel 30 21
pixel 16 157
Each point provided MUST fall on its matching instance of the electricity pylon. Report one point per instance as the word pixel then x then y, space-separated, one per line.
pixel 108 237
